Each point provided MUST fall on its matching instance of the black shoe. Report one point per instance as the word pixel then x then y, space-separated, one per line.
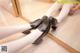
pixel 44 27
pixel 35 24
pixel 53 22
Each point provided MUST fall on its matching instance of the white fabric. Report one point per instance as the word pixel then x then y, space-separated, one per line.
pixel 9 30
pixel 20 43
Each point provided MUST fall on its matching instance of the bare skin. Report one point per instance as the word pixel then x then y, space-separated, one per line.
pixel 75 9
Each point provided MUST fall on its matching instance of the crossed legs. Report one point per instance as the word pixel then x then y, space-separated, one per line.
pixel 18 44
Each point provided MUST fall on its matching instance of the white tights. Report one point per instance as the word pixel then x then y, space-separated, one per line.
pixel 63 13
pixel 18 44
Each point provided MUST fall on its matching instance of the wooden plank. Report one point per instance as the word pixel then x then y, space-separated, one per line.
pixel 64 45
pixel 12 21
pixel 16 7
pixel 61 43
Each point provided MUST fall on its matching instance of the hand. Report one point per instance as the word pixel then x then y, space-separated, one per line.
pixel 75 9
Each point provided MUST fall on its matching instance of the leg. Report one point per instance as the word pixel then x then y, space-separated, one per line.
pixel 20 43
pixel 35 34
pixel 9 30
pixel 64 12
pixel 55 7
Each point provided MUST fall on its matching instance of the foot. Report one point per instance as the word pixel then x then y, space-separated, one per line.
pixel 44 27
pixel 53 22
pixel 35 24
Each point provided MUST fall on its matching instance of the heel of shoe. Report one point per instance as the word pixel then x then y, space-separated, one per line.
pixel 26 32
pixel 38 41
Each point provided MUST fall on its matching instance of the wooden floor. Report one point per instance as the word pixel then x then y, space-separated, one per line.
pixel 47 46
pixel 8 19
pixel 68 31
pixel 31 11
